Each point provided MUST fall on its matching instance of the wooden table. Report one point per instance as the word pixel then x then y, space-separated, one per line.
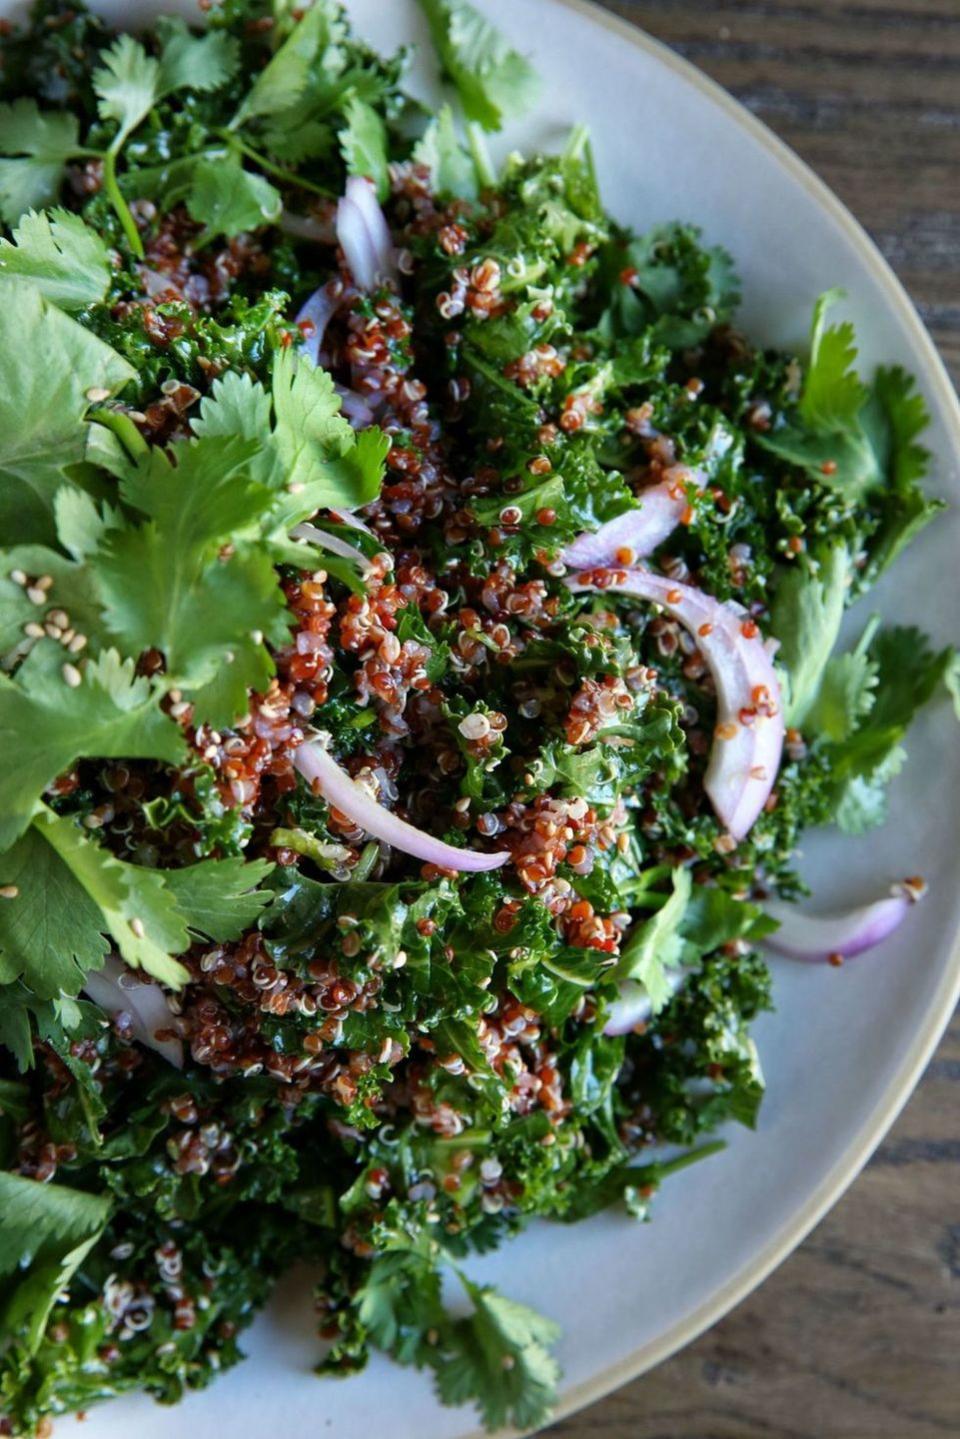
pixel 857 1336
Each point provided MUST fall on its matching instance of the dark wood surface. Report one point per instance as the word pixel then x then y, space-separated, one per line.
pixel 857 1335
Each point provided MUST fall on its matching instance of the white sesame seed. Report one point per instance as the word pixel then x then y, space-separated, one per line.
pixel 54 631
pixel 45 582
pixel 18 577
pixel 59 617
pixel 36 595
pixel 66 637
pixel 33 630
pixel 71 675
pixel 8 891
pixel 77 644
pixel 137 926
pixel 96 393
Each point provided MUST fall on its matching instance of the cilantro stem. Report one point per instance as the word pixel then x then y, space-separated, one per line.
pixel 119 204
pixel 124 429
pixel 482 163
pixel 277 171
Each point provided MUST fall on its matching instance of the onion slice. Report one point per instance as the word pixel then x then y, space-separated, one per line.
pixel 632 1006
pixel 639 530
pixel 749 735
pixel 119 990
pixel 351 799
pixel 364 235
pixel 318 312
pixel 348 518
pixel 333 543
pixel 355 407
pixel 833 936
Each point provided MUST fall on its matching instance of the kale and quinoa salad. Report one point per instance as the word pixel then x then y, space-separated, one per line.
pixel 419 612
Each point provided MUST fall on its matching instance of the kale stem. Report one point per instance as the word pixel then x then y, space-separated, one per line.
pixel 119 204
pixel 277 171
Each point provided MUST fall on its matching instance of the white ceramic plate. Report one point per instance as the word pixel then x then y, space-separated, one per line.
pixel 845 1047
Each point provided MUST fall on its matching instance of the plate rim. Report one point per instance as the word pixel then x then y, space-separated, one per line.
pixel 946 997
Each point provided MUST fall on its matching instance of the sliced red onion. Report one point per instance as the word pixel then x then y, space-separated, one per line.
pixel 307 227
pixel 355 407
pixel 639 530
pixel 347 517
pixel 333 543
pixel 364 235
pixel 632 1006
pixel 351 799
pixel 318 312
pixel 748 739
pixel 119 990
pixel 829 936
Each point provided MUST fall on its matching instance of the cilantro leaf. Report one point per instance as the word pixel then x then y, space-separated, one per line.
pixel 46 1232
pixel 62 256
pixel 46 726
pixel 500 1357
pixel 311 456
pixel 44 395
pixel 656 945
pixel 286 74
pixel 906 675
pixel 165 584
pixel 227 199
pixel 807 611
pixel 194 62
pixel 317 447
pixel 72 590
pixel 833 393
pixel 219 898
pixel 137 910
pixel 489 76
pixel 363 144
pixel 400 1303
pixel 856 438
pixel 847 691
pixel 50 933
pixel 44 141
pixel 126 86
pixel 452 171
pixel 894 418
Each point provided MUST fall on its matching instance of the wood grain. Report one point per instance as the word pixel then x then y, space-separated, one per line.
pixel 857 1335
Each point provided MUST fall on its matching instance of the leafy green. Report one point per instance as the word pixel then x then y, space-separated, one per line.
pixel 363 142
pixel 50 932
pixel 44 397
pixel 656 945
pixel 46 1232
pixel 902 674
pixel 61 256
pixel 137 910
pixel 490 77
pixel 194 62
pixel 45 725
pixel 807 611
pixel 452 171
pixel 226 199
pixel 126 85
pixel 499 1356
pixel 220 899
pixel 283 79
pixel 165 584
pixel 43 142
pixel 856 438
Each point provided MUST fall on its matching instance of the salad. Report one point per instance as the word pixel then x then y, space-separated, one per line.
pixel 419 615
